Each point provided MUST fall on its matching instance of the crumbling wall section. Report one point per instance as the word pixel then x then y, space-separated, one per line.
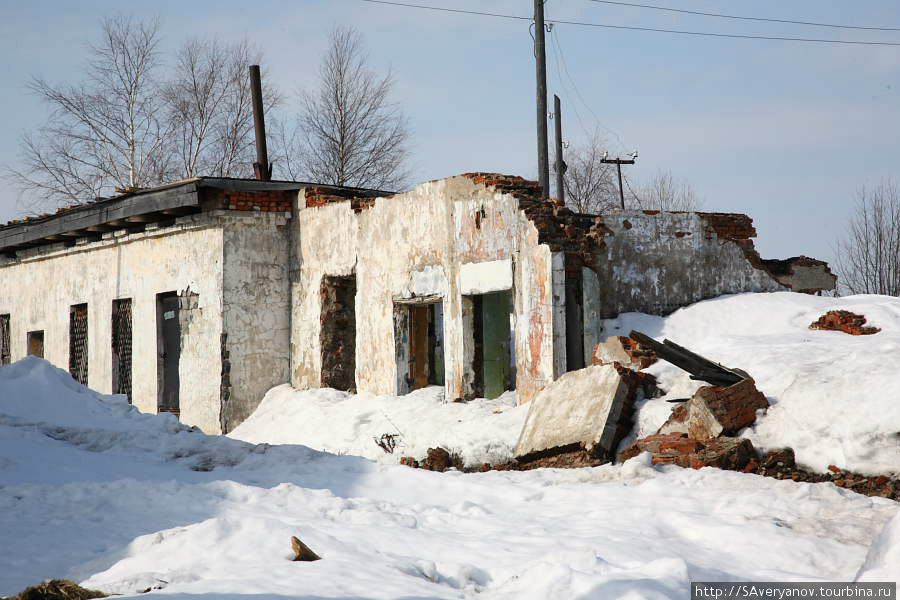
pixel 324 243
pixel 658 262
pixel 443 241
pixel 256 304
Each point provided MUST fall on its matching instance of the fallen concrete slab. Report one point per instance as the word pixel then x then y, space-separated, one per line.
pixel 580 410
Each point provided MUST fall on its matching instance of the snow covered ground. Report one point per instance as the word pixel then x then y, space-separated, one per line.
pixel 481 431
pixel 92 490
pixel 835 397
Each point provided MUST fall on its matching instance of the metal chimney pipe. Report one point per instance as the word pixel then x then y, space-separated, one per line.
pixel 261 167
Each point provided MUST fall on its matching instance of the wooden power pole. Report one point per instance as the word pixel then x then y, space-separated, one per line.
pixel 560 163
pixel 541 72
pixel 619 162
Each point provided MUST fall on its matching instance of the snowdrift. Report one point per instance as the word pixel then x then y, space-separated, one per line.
pixel 835 397
pixel 124 502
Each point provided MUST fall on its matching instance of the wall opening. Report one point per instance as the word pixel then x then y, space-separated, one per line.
pixel 338 332
pixel 419 344
pixel 5 351
pixel 574 315
pixel 490 334
pixel 78 343
pixel 35 343
pixel 168 348
pixel 121 347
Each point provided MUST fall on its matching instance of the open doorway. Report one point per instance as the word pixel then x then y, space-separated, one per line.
pixel 338 333
pixel 419 344
pixel 168 349
pixel 490 332
pixel 35 342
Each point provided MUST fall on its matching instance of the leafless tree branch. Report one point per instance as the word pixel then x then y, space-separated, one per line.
pixel 352 133
pixel 868 256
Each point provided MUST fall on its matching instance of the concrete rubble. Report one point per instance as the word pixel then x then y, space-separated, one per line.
pixel 679 449
pixel 625 351
pixel 714 411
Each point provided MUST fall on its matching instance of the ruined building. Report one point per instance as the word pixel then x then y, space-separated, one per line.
pixel 197 297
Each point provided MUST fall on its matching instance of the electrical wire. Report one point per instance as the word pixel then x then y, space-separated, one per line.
pixel 558 48
pixel 743 18
pixel 636 28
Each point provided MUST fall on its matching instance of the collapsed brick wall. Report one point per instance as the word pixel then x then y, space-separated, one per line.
pixel 799 273
pixel 320 196
pixel 560 228
pixel 657 262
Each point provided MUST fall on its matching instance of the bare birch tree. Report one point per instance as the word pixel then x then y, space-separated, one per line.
pixel 210 108
pixel 108 132
pixel 591 186
pixel 868 256
pixel 352 132
pixel 664 192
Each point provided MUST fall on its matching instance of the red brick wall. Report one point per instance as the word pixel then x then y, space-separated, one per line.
pixel 260 201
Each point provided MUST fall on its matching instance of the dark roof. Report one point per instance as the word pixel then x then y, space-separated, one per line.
pixel 134 209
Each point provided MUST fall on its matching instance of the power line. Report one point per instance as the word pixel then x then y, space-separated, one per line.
pixel 635 28
pixel 578 92
pixel 743 18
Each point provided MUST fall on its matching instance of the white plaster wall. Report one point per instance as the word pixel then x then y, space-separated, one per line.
pixel 256 308
pixel 37 292
pixel 485 277
pixel 660 262
pixel 533 297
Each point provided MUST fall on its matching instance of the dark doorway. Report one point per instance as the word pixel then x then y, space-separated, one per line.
pixel 5 351
pixel 338 332
pixel 419 343
pixel 35 343
pixel 574 315
pixel 121 347
pixel 78 343
pixel 491 333
pixel 168 345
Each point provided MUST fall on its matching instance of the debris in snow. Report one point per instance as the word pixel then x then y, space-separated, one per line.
pixel 700 368
pixel 58 589
pixel 844 320
pixel 302 551
pixel 580 411
pixel 625 351
pixel 716 410
pixel 387 442
pixel 440 460
pixel 732 454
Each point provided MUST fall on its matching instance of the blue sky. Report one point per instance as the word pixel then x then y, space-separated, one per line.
pixel 786 132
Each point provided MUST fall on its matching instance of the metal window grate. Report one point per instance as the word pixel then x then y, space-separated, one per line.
pixel 121 347
pixel 78 343
pixel 4 340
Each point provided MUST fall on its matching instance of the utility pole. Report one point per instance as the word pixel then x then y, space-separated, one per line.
pixel 560 163
pixel 619 162
pixel 541 71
